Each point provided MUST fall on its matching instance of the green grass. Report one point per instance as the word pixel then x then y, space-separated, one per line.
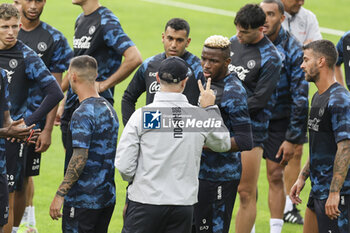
pixel 144 22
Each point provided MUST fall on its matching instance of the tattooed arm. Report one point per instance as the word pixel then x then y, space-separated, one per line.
pixel 340 171
pixel 74 170
pixel 299 184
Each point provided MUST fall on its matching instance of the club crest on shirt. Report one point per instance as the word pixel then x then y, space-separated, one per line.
pixel 42 46
pixel 251 64
pixel 301 25
pixel 348 47
pixel 92 29
pixel 321 112
pixel 13 63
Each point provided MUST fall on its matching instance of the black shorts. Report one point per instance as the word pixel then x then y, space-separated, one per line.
pixel 144 218
pixel 276 135
pixel 4 201
pixel 325 224
pixel 86 220
pixel 215 204
pixel 33 160
pixel 15 160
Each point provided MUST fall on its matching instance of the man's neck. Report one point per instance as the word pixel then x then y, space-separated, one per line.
pixel 86 91
pixel 29 25
pixel 6 47
pixel 325 81
pixel 274 36
pixel 90 6
pixel 259 38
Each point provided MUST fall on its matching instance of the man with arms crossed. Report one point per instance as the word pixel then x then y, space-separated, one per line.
pixel 175 39
pixel 88 188
pixel 53 48
pixel 287 127
pixel 257 63
pixel 343 48
pixel 220 172
pixel 329 131
pixel 29 80
pixel 99 34
pixel 163 163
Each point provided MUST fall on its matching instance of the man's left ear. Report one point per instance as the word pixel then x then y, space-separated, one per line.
pixel 157 77
pixel 188 42
pixel 183 82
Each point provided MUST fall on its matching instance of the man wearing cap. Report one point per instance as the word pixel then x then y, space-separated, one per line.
pixel 159 152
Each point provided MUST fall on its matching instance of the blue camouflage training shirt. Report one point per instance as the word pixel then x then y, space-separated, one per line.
pixel 94 127
pixel 329 123
pixel 231 99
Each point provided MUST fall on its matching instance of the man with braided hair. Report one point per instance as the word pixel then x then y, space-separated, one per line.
pixel 220 172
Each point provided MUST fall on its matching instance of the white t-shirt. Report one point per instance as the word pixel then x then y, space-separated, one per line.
pixel 303 25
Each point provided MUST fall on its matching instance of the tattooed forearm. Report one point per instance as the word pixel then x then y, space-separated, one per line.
pixel 74 170
pixel 305 172
pixel 341 165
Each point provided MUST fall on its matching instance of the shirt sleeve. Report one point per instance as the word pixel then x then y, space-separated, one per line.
pixel 61 55
pixel 235 106
pixel 4 97
pixel 340 51
pixel 135 88
pixel 114 35
pixel 339 107
pixel 299 89
pixel 82 127
pixel 128 149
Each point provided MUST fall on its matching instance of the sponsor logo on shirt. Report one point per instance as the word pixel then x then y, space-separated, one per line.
pixel 9 74
pixel 154 87
pixel 204 227
pixel 152 119
pixel 82 43
pixel 240 70
pixel 314 124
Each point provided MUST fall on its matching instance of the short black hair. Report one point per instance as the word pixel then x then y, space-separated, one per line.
pixel 279 4
pixel 250 16
pixel 86 66
pixel 178 24
pixel 324 48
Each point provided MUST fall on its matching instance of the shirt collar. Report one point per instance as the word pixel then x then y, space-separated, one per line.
pixel 169 97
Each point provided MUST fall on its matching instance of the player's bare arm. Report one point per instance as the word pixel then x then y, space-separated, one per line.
pixel 74 170
pixel 299 184
pixel 132 59
pixel 340 171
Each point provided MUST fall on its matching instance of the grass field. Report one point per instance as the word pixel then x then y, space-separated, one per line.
pixel 144 22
